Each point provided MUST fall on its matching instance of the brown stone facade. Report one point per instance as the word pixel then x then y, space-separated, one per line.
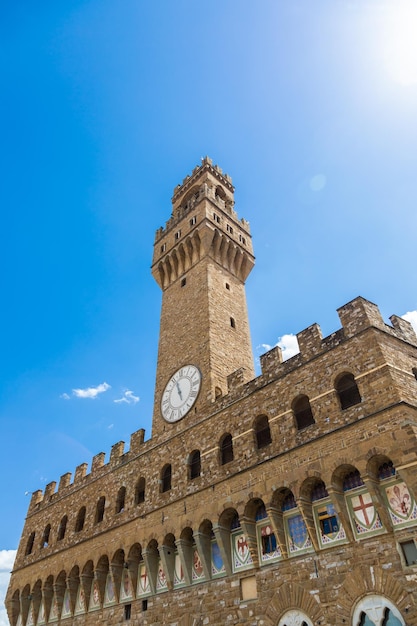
pixel 283 499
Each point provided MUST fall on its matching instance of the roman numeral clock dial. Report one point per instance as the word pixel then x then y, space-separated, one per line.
pixel 180 393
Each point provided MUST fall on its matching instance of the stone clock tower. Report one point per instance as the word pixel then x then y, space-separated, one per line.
pixel 201 261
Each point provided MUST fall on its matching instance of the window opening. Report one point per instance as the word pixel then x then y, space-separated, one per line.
pixel 29 545
pixel 145 604
pixel 409 551
pixel 79 524
pixel 216 218
pixel 195 464
pixel 226 449
pixel 45 537
pixel 303 413
pixel 229 229
pixel 183 282
pixel 348 391
pixel 100 510
pixel 120 502
pixel 163 247
pixel 177 235
pixel 262 432
pixel 228 286
pixel 140 491
pixel 166 479
pixel 193 220
pixel 232 322
pixel 269 541
pixel 128 611
pixel 62 528
pixel 414 370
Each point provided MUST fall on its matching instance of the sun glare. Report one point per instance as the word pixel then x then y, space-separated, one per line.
pixel 400 41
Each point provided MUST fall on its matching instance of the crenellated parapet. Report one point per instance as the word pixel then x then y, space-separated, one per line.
pixel 81 476
pixel 356 317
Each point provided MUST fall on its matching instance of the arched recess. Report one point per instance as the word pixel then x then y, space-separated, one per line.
pixel 86 580
pixel 14 607
pixel 48 595
pixel 73 584
pixel 365 581
pixel 133 559
pixel 36 599
pixel 293 597
pixel 101 571
pixel 117 565
pixel 59 591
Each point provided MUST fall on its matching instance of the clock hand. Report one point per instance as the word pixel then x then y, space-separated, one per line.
pixel 179 390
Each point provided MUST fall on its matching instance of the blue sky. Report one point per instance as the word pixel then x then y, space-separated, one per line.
pixel 106 106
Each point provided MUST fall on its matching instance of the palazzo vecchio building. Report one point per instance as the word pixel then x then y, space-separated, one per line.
pixel 285 499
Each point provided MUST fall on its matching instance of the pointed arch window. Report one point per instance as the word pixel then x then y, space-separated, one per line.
pixel 347 391
pixel 45 536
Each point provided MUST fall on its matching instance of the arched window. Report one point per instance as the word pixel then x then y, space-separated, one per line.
pixel 348 391
pixel 120 500
pixel 29 545
pixel 100 510
pixel 262 432
pixel 79 524
pixel 374 610
pixel 140 491
pixel 45 536
pixel 194 464
pixel 302 412
pixel 166 477
pixel 62 528
pixel 226 449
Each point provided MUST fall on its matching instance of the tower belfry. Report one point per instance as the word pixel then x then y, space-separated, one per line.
pixel 201 261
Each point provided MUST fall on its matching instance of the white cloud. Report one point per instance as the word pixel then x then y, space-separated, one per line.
pixel 288 345
pixel 411 317
pixel 64 396
pixel 91 392
pixel 128 397
pixel 7 558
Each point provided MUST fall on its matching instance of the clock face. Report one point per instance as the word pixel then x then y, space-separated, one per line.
pixel 180 393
